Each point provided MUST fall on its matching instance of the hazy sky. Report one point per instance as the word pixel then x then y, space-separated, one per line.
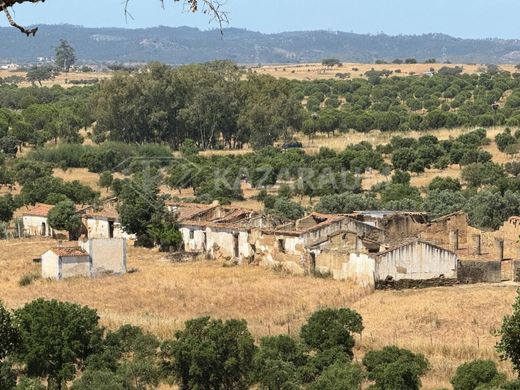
pixel 461 18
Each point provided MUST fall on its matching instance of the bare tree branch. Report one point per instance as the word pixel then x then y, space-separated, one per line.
pixel 212 8
pixel 4 5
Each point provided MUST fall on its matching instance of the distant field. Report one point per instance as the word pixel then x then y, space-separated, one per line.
pixel 449 325
pixel 319 72
pixel 60 79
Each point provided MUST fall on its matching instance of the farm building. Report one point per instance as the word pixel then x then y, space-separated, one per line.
pixel 35 221
pixel 220 232
pixel 104 224
pixel 90 258
pixel 66 262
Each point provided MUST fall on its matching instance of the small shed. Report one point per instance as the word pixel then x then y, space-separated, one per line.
pixel 66 262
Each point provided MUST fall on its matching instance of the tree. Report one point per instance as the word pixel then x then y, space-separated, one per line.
pixel 509 344
pixel 56 338
pixel 100 380
pixel 9 336
pixel 211 354
pixel 39 74
pixel 395 368
pixel 105 180
pixel 63 216
pixel 7 207
pixel 65 56
pixel 9 145
pixel 277 362
pixel 346 203
pixel 471 375
pixel 141 206
pixel 330 328
pixel 339 376
pixel 286 209
pixel 443 202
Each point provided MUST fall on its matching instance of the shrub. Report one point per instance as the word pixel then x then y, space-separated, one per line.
pixel 478 372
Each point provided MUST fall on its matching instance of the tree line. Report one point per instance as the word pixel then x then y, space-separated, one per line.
pixel 64 346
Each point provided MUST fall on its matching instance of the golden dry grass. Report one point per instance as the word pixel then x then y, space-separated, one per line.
pixel 60 79
pixel 316 71
pixel 161 295
pixel 449 325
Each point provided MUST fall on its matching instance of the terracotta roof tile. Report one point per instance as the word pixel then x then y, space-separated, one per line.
pixel 69 251
pixel 38 210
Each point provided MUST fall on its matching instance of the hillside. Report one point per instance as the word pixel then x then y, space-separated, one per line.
pixel 187 45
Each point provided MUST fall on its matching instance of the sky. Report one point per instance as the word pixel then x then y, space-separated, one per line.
pixel 460 18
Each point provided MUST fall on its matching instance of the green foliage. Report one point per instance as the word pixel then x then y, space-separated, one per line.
pixel 29 384
pixel 443 202
pixel 9 335
pixel 105 179
pixel 444 184
pixel 277 362
pixel 65 56
pixel 488 209
pixel 339 376
pixel 140 205
pixel 509 343
pixel 212 354
pixel 285 209
pixel 39 74
pixel 346 203
pixel 63 216
pixel 472 375
pixel 395 368
pixel 56 337
pixel 329 328
pixel 99 380
pixel 479 174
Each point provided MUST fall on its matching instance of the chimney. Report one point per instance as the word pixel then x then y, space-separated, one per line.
pixel 454 240
pixel 476 249
pixel 499 244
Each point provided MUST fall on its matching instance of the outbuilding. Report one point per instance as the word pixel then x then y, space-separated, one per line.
pixel 66 262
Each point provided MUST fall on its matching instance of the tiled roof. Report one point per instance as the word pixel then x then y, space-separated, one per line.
pixel 38 210
pixel 106 213
pixel 186 211
pixel 69 251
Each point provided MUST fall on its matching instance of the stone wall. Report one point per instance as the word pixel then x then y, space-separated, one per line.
pixel 470 271
pixel 108 255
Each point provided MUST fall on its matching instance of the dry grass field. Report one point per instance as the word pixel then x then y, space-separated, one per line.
pixel 449 325
pixel 316 71
pixel 61 79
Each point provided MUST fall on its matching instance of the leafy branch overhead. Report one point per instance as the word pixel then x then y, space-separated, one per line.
pixel 212 8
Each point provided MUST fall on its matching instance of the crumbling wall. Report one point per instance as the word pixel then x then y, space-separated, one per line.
pixel 510 233
pixel 363 230
pixel 470 271
pixel 196 244
pixel 292 257
pixel 438 231
pixel 357 268
pixel 398 227
pixel 516 271
pixel 327 230
pixel 417 261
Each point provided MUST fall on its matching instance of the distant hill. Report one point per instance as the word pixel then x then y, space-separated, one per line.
pixel 186 45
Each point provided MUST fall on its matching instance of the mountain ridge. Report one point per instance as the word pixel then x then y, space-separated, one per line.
pixel 181 45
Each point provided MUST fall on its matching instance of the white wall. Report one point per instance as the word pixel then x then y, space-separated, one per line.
pixel 417 261
pixel 50 265
pixel 56 267
pixel 108 254
pixel 97 228
pixel 75 266
pixel 33 226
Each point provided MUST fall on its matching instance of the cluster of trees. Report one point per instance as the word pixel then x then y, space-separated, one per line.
pixel 446 100
pixel 63 345
pixel 210 104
